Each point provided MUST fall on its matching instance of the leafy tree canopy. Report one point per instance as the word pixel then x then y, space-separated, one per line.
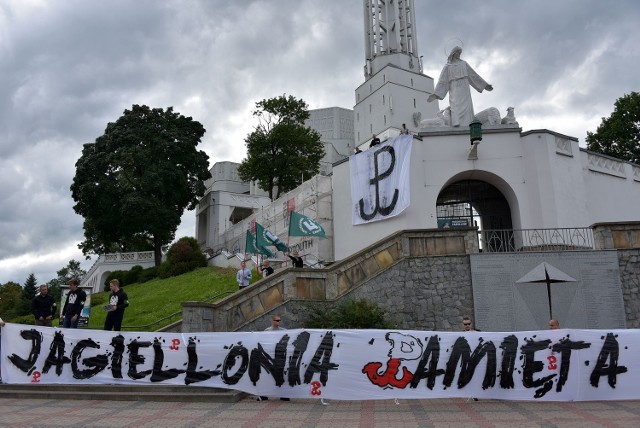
pixel 281 150
pixel 64 275
pixel 619 134
pixel 134 183
pixel 10 300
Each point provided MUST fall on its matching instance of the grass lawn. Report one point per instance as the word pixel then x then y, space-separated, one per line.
pixel 159 298
pixel 156 299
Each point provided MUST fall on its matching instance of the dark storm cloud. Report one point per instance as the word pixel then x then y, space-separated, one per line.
pixel 69 67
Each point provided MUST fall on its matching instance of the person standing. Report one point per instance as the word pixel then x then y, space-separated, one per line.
pixel 276 319
pixel 1 325
pixel 296 259
pixel 467 324
pixel 265 270
pixel 243 277
pixel 404 130
pixel 118 302
pixel 73 305
pixel 375 141
pixel 43 307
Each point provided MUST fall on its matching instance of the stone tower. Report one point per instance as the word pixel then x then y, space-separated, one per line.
pixel 395 91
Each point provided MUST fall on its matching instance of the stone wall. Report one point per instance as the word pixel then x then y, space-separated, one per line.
pixel 630 280
pixel 421 278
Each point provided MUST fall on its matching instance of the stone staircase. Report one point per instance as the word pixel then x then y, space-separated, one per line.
pixel 122 393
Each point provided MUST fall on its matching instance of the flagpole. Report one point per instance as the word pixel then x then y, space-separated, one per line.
pixel 286 262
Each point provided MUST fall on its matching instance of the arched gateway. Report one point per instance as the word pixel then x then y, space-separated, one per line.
pixel 469 202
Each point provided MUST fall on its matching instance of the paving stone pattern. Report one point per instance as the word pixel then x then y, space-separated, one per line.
pixel 248 413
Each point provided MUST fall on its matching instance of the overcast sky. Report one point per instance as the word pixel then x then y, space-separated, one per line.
pixel 68 67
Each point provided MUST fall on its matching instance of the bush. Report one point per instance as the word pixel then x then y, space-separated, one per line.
pixel 120 275
pixel 183 256
pixel 349 314
pixel 148 274
pixel 131 276
pixel 24 319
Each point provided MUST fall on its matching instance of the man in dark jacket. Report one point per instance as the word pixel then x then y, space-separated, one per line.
pixel 73 305
pixel 297 260
pixel 118 301
pixel 43 307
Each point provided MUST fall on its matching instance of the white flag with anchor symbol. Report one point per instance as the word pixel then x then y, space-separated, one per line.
pixel 380 180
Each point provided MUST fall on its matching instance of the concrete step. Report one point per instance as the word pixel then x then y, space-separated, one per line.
pixel 122 393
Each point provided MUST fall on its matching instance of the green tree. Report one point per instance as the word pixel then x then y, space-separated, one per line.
pixel 183 256
pixel 133 185
pixel 64 275
pixel 619 134
pixel 10 300
pixel 281 150
pixel 29 291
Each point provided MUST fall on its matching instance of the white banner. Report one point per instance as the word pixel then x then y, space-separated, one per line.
pixel 555 365
pixel 380 180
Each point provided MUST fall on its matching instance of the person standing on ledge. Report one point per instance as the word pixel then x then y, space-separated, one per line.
pixel 118 302
pixel 265 270
pixel 375 141
pixel 456 78
pixel 297 260
pixel 243 277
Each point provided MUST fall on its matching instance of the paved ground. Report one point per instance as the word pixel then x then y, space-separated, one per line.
pixel 308 413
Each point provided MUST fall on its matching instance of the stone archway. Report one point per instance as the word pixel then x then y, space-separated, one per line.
pixel 473 203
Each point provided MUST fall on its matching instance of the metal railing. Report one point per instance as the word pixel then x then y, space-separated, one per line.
pixel 518 240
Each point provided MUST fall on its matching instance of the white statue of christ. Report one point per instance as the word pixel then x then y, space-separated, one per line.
pixel 455 78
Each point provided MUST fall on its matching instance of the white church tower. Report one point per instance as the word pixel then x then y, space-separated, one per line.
pixel 395 91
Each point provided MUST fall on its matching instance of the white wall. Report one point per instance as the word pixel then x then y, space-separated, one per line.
pixel 547 180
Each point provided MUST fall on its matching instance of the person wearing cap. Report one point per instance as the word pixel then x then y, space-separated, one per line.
pixel 296 259
pixel 118 302
pixel 73 305
pixel 43 307
pixel 265 269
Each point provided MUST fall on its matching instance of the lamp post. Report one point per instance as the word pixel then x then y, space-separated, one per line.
pixel 475 131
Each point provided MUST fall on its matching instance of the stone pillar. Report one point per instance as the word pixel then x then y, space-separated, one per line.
pixel 620 235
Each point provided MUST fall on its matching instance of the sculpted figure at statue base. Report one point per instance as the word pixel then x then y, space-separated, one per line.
pixel 442 119
pixel 489 116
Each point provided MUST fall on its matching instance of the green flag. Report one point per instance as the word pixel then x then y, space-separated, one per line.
pixel 252 247
pixel 301 225
pixel 265 238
